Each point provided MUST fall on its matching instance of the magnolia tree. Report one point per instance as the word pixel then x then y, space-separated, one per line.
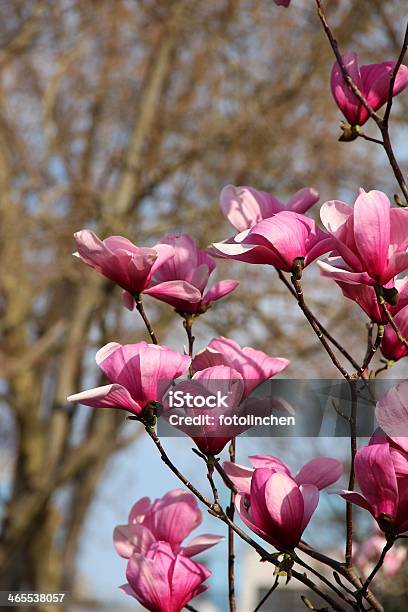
pixel 363 248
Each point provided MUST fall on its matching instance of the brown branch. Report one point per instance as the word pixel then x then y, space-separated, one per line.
pixel 351 483
pixel 389 317
pixel 324 331
pixel 382 122
pixel 316 328
pixel 141 310
pixel 377 567
pixel 216 510
pixel 372 348
pixel 231 551
pixel 394 73
pixel 268 594
pixel 344 71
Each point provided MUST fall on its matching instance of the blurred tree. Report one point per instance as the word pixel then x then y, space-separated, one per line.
pixel 128 116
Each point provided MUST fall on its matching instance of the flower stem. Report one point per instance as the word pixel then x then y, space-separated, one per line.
pixel 139 306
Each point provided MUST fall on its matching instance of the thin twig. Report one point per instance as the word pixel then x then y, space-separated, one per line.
pixel 210 476
pixel 176 471
pixel 139 306
pixel 394 76
pixel 324 331
pixel 324 580
pixel 345 73
pixel 377 567
pixel 268 594
pixel 353 451
pixel 227 480
pixel 369 138
pixel 372 348
pixel 382 122
pixel 388 315
pixel 188 326
pixel 316 328
pixel 231 551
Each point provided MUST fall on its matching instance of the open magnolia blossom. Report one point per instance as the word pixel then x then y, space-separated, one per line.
pixel 276 505
pixel 163 581
pixel 129 266
pixel 366 298
pixel 170 519
pixel 211 435
pixel 278 241
pixel 383 479
pixel 138 374
pixel 244 207
pixel 370 240
pixel 254 366
pixel 373 81
pixel 190 267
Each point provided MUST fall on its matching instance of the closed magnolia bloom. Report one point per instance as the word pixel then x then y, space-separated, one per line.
pixel 391 347
pixel 191 267
pixel 366 298
pixel 163 581
pixel 170 519
pixel 384 493
pixel 371 240
pixel 244 207
pixel 138 374
pixel 254 366
pixel 276 505
pixel 278 241
pixel 129 266
pixel 373 81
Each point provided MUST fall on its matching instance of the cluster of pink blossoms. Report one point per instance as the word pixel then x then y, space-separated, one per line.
pixel 366 248
pixel 160 572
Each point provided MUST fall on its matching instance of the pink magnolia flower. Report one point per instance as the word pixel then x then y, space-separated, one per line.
pixel 320 471
pixel 191 267
pixel 254 366
pixel 391 347
pixel 138 374
pixel 282 2
pixel 210 435
pixel 163 581
pixel 278 241
pixel 365 297
pixel 276 505
pixel 129 266
pixel 170 519
pixel 399 455
pixel 244 207
pixel 373 80
pixel 371 240
pixel 384 494
pixel 367 554
pixel 391 412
